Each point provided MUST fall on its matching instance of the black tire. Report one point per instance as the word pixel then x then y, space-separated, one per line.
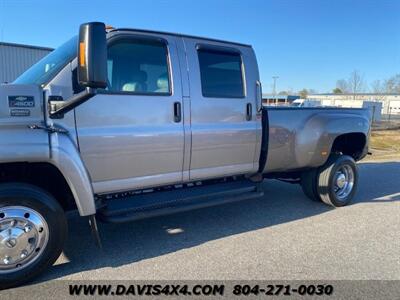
pixel 309 184
pixel 318 184
pixel 326 176
pixel 32 197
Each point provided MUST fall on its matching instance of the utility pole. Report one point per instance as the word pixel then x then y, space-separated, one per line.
pixel 275 78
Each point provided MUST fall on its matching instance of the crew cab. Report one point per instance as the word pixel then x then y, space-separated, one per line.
pixel 125 124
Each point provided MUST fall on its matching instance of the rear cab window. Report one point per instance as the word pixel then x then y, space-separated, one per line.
pixel 221 73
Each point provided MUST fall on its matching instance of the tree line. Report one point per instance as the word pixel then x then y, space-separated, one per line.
pixel 355 84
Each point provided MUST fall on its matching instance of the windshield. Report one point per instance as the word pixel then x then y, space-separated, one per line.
pixel 46 68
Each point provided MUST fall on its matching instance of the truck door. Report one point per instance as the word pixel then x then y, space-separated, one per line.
pixel 131 135
pixel 225 126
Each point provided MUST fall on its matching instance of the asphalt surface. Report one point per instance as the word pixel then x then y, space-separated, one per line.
pixel 282 236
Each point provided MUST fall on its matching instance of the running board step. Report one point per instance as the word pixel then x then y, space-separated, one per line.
pixel 168 202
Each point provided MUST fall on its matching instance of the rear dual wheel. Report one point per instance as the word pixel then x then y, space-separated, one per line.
pixel 334 183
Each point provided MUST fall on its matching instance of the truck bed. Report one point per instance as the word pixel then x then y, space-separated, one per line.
pixel 300 138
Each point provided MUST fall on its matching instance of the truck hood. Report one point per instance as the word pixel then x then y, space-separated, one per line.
pixel 21 104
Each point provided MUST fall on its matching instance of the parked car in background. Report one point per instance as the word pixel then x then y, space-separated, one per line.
pixel 306 103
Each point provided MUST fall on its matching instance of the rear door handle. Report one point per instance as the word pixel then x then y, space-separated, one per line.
pixel 249 112
pixel 177 112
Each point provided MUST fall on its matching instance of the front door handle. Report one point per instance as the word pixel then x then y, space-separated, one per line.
pixel 249 112
pixel 177 112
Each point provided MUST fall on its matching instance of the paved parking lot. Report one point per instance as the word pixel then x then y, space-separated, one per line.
pixel 281 236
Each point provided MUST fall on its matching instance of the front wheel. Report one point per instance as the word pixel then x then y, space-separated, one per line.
pixel 334 183
pixel 33 229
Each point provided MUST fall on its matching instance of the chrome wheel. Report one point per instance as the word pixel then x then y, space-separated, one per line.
pixel 24 235
pixel 343 182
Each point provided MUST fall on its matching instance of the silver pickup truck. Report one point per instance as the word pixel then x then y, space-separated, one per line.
pixel 124 124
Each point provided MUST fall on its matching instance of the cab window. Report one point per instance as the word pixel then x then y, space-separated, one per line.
pixel 221 73
pixel 138 66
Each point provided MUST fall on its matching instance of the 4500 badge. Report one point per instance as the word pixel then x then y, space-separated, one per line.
pixel 21 101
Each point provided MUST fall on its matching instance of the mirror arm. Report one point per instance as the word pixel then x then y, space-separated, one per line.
pixel 57 109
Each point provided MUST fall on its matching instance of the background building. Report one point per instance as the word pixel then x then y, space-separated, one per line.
pixel 271 99
pixel 16 58
pixel 390 102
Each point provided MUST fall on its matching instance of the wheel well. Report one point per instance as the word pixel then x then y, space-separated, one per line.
pixel 43 175
pixel 350 144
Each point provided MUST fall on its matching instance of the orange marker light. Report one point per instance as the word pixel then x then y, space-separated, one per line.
pixel 82 54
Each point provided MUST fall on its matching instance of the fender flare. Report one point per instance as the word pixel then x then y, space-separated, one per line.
pixel 65 156
pixel 326 128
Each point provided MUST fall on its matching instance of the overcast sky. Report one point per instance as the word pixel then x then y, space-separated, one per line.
pixel 308 44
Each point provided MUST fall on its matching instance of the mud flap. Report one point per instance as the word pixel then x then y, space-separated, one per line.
pixel 95 231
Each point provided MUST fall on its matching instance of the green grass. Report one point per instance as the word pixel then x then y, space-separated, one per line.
pixel 385 144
